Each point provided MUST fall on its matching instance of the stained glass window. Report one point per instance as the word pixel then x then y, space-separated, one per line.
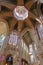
pixel 3 32
pixel 2 39
pixel 40 31
pixel 14 38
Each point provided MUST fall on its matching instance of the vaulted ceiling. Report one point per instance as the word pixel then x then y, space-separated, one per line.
pixel 7 12
pixel 7 7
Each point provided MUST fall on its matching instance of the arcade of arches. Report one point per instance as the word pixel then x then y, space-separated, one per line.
pixel 21 32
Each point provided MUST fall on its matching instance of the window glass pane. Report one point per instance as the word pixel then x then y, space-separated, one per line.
pixel 3 32
pixel 14 38
pixel 40 30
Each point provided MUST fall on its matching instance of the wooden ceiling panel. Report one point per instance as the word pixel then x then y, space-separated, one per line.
pixel 29 4
pixel 32 16
pixel 6 14
pixel 10 6
pixel 29 23
pixel 20 2
pixel 20 25
pixel 14 21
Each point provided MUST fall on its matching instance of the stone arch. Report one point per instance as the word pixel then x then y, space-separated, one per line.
pixel 4 21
